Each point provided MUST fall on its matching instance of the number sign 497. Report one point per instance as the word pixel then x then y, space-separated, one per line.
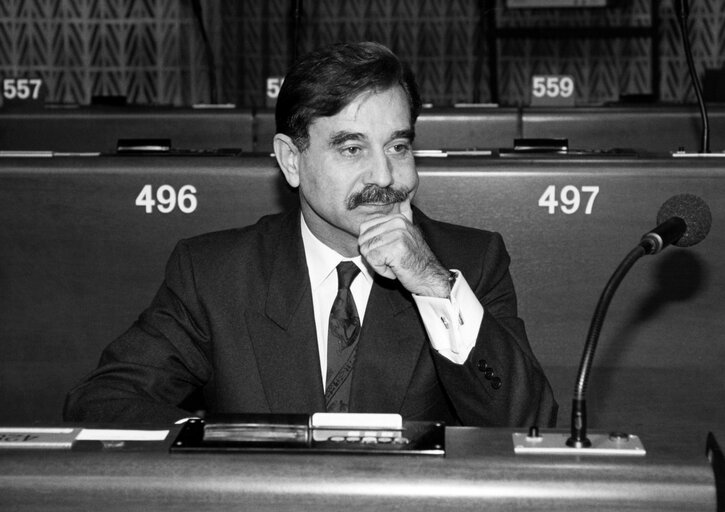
pixel 569 199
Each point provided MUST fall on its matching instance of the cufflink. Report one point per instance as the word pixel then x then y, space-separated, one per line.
pixel 452 276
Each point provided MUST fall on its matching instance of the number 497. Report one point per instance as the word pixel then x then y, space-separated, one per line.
pixel 569 199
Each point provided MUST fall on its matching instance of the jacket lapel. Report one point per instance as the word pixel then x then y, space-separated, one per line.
pixel 390 344
pixel 284 338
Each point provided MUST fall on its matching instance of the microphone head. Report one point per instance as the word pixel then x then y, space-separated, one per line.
pixel 694 211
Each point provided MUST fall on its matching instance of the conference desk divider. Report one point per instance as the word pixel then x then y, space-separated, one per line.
pixel 83 245
pixel 97 129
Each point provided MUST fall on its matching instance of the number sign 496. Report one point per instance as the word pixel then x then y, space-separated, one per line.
pixel 166 199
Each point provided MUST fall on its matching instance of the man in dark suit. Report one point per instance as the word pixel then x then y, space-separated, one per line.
pixel 354 302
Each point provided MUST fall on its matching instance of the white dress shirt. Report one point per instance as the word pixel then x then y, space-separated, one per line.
pixel 452 323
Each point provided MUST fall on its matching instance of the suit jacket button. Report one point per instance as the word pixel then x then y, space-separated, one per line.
pixel 481 364
pixel 496 383
pixel 488 373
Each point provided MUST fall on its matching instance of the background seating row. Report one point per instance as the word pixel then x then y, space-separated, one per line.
pixel 98 129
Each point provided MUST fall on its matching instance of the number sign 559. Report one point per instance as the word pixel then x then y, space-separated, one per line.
pixel 552 90
pixel 167 198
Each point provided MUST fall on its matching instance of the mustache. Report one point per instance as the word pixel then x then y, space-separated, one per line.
pixel 373 194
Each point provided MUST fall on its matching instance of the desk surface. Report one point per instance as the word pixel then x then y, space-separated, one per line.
pixel 480 471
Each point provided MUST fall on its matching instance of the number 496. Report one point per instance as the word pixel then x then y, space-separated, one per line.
pixel 569 199
pixel 167 198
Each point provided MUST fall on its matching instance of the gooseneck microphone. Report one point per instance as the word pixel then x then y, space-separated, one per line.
pixel 683 220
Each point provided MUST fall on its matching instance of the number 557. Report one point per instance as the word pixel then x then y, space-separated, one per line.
pixel 21 88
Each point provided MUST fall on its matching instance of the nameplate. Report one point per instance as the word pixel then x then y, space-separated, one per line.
pixel 44 438
pixel 301 433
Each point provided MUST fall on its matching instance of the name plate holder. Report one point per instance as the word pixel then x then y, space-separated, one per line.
pixel 318 433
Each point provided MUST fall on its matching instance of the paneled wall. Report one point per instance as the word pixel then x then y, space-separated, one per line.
pixel 441 41
pixel 152 51
pixel 146 50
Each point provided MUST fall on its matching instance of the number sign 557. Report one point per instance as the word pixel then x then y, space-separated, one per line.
pixel 569 199
pixel 22 88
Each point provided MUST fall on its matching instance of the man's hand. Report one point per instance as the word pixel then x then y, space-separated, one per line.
pixel 395 248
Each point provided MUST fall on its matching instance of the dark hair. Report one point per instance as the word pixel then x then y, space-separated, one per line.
pixel 324 81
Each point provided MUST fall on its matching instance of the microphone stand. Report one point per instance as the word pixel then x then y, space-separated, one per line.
pixel 615 443
pixel 687 222
pixel 208 50
pixel 683 11
pixel 578 438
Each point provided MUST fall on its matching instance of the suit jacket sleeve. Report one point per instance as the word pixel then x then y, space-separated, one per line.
pixel 501 383
pixel 153 370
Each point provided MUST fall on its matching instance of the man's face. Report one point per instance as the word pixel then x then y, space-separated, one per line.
pixel 358 165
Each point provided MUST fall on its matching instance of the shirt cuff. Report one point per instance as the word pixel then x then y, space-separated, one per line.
pixel 452 323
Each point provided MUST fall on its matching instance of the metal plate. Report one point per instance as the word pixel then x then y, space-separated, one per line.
pixel 614 444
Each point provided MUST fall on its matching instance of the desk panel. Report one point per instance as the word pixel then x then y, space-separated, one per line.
pixel 652 129
pixel 466 128
pixel 98 129
pixel 439 128
pixel 480 472
pixel 659 129
pixel 79 260
pixel 660 351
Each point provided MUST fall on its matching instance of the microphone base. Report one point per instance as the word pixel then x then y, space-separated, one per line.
pixel 553 443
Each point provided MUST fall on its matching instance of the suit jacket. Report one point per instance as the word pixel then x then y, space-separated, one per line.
pixel 231 330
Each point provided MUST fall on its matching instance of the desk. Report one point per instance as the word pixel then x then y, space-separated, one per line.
pixel 79 260
pixel 662 128
pixel 439 128
pixel 643 128
pixel 98 129
pixel 479 472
